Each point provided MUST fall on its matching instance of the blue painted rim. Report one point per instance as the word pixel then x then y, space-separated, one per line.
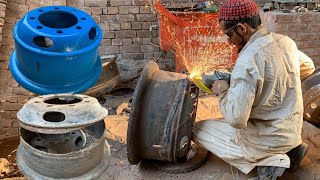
pixel 41 90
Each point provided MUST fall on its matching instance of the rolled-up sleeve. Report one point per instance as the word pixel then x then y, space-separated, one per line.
pixel 236 103
pixel 306 65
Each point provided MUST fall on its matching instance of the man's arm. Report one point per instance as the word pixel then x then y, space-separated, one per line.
pixel 236 103
pixel 306 65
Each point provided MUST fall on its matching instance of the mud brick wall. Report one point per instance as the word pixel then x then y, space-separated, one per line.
pixel 303 28
pixel 12 96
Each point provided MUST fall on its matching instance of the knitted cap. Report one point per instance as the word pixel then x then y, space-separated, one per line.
pixel 238 9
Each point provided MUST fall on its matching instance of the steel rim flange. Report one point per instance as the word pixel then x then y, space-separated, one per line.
pixel 311 98
pixel 162 115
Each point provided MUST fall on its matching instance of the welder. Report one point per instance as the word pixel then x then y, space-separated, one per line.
pixel 262 104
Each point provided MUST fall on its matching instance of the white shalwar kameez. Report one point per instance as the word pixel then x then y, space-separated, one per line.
pixel 263 108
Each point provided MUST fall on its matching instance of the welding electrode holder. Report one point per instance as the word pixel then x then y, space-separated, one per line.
pixel 208 78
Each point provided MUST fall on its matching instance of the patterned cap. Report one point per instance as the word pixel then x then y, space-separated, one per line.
pixel 238 9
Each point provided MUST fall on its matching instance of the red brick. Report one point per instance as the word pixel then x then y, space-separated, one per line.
pixel 128 56
pixel 5 123
pixel 149 48
pixel 134 9
pixel 146 17
pixel 2 133
pixel 124 10
pixel 7 106
pixel 109 49
pixel 108 35
pixel 298 27
pixel 16 123
pixel 96 3
pixel 21 91
pixel 120 2
pixel 291 17
pixel 277 27
pixel 146 34
pixel 105 42
pixel 4 65
pixel 96 10
pixel 3 82
pixel 2 7
pixel 125 18
pixel 105 26
pixel 116 42
pixel 140 2
pixel 23 99
pixel 33 3
pixel 314 27
pixel 8 90
pixel 317 51
pixel 145 10
pixel 308 35
pixel 308 51
pixel 4 115
pixel 18 7
pixel 5 74
pixel 77 3
pixel 114 26
pixel 108 18
pixel 19 1
pixel 12 131
pixel 105 10
pixel 12 82
pixel 12 99
pixel 137 41
pixel 13 13
pixel 125 26
pixel 313 43
pixel 127 42
pixel 10 20
pixel 130 49
pixel 13 114
pixel 126 34
pixel 306 17
pixel 316 60
pixel 136 25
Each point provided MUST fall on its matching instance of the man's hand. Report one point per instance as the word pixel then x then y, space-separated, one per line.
pixel 220 86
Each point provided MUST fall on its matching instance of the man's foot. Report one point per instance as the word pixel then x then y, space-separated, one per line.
pixel 268 173
pixel 296 155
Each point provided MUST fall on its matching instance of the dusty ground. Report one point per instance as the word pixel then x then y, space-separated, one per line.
pixel 214 168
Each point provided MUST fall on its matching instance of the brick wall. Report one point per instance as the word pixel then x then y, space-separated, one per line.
pixel 303 28
pixel 125 25
pixel 3 5
pixel 12 96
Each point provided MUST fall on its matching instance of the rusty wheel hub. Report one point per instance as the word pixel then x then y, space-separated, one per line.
pixel 162 116
pixel 62 137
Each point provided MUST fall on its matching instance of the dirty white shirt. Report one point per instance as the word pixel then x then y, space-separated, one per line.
pixel 264 101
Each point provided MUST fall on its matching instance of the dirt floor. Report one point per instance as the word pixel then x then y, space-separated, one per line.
pixel 118 104
pixel 214 168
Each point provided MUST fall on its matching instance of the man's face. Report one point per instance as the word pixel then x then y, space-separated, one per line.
pixel 234 36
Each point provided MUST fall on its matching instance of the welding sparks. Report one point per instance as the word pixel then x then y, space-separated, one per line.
pixel 197 41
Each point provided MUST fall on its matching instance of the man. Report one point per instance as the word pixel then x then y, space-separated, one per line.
pixel 263 108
